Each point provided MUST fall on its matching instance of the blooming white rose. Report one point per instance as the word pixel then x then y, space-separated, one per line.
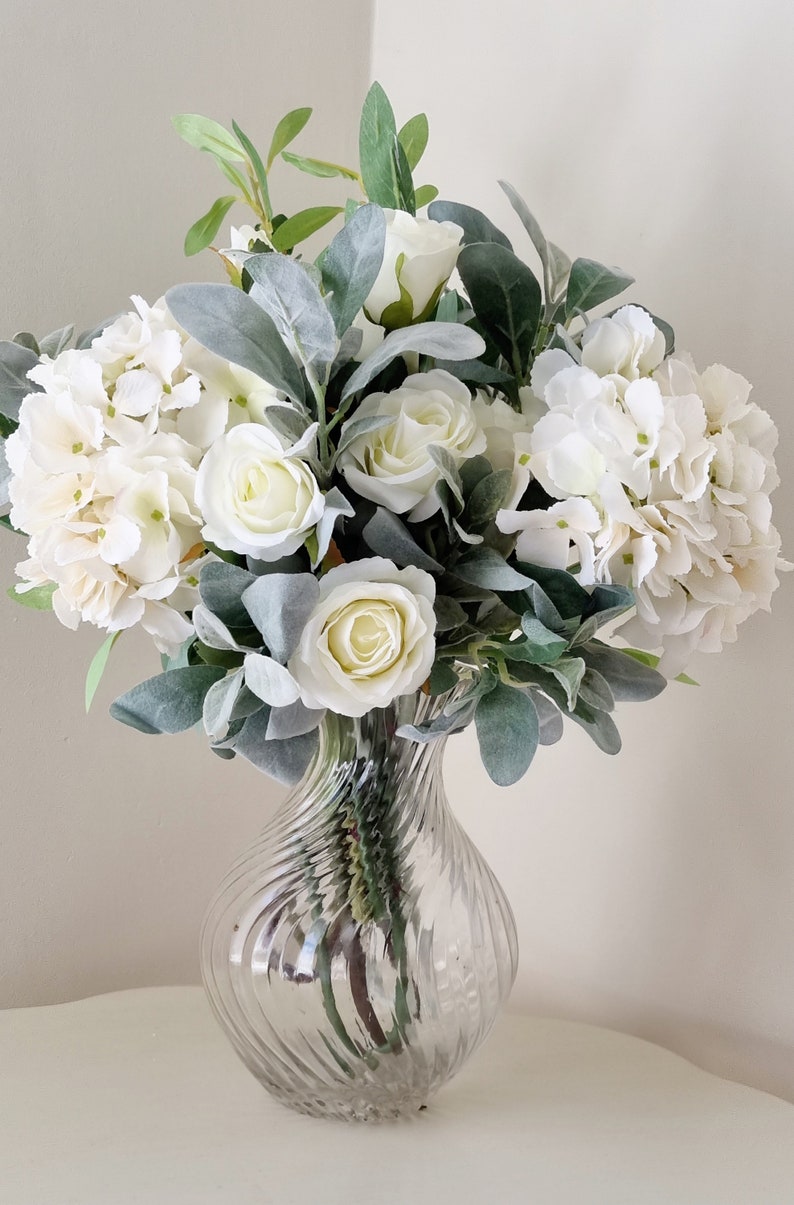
pixel 369 639
pixel 418 259
pixel 628 344
pixel 392 465
pixel 257 497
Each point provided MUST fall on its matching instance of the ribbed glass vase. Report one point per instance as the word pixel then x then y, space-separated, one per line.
pixel 361 950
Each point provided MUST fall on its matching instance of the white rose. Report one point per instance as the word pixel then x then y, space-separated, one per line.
pixel 393 465
pixel 628 344
pixel 418 259
pixel 257 498
pixel 369 639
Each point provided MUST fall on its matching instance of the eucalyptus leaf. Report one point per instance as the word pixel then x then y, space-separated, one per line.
pixel 507 732
pixel 286 132
pixel 405 183
pixel 15 363
pixel 56 342
pixel 279 604
pixel 97 668
pixel 318 167
pixel 446 340
pixel 477 228
pixel 377 136
pixel 202 232
pixel 207 135
pixel 285 290
pixel 591 283
pixel 506 298
pixel 424 194
pixel 352 262
pixel 413 139
pixel 285 760
pixel 170 702
pixel 386 535
pixel 303 224
pixel 229 323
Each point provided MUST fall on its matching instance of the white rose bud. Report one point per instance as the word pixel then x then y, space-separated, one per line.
pixel 418 260
pixel 256 498
pixel 369 639
pixel 393 465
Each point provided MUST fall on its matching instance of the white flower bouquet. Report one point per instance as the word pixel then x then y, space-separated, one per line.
pixel 408 464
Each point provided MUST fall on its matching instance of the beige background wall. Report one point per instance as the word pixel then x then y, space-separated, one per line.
pixel 655 891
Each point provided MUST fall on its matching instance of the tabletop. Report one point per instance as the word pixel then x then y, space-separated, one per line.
pixel 135 1098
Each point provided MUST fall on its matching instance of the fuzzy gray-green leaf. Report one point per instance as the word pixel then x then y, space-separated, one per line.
pixel 170 702
pixel 508 732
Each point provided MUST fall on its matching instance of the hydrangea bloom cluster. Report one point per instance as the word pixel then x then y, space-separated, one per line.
pixel 661 479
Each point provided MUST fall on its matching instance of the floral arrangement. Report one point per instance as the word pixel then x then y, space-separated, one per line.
pixel 410 464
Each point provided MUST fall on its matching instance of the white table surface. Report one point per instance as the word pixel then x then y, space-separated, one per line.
pixel 136 1097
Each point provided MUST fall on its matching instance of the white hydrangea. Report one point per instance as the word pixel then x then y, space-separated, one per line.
pixel 668 473
pixel 104 468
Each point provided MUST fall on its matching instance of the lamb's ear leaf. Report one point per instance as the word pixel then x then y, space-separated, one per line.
pixel 169 702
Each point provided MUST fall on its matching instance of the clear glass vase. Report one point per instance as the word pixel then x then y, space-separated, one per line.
pixel 360 951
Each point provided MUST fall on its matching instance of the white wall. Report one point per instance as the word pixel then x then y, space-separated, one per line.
pixel 654 891
pixel 110 844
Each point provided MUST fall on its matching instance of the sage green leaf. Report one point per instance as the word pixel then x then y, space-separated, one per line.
pixel 295 720
pixel 220 588
pixel 236 177
pixel 352 262
pixel 528 221
pixel 285 760
pixel 15 363
pixel 255 160
pixel 219 703
pixel 485 567
pixel 405 184
pixel 549 718
pixel 594 690
pixel 303 224
pixel 54 343
pixel 357 427
pixel 629 680
pixel 413 139
pixel 38 598
pixel 559 269
pixel 207 135
pixel 287 293
pixel 449 613
pixel 168 703
pixel 570 599
pixel 86 338
pixel 202 232
pixel 591 283
pixel 487 497
pixel 318 167
pixel 230 323
pixel 377 136
pixel 445 463
pixel 569 672
pixel 506 298
pixel 26 339
pixel 442 678
pixel 507 732
pixel 270 681
pixel 97 668
pixel 213 632
pixel 279 604
pixel 442 725
pixel 548 646
pixel 336 508
pixel 445 340
pixel 424 194
pixel 5 475
pixel 286 132
pixel 477 228
pixel 600 727
pixel 387 536
pixel 474 372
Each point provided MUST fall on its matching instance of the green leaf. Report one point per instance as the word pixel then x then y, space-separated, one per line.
pixel 590 283
pixel 447 467
pixel 570 599
pixel 168 703
pixel 405 183
pixel 279 604
pixel 387 536
pixel 39 598
pixel 286 132
pixel 424 195
pixel 285 760
pixel 5 521
pixel 543 645
pixel 599 726
pixel 258 166
pixel 569 672
pixel 507 732
pixel 26 339
pixel 319 167
pixel 303 224
pixel 202 232
pixel 506 298
pixel 357 427
pixel 377 136
pixel 15 363
pixel 413 139
pixel 477 228
pixel 207 135
pixel 287 293
pixel 54 343
pixel 594 690
pixel 235 177
pixel 629 679
pixel 487 497
pixel 485 567
pixel 220 588
pixel 352 262
pixel 449 613
pixel 445 340
pixel 97 668
pixel 230 323
pixel 86 338
pixel 442 678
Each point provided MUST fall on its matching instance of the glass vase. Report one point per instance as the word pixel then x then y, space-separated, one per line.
pixel 360 951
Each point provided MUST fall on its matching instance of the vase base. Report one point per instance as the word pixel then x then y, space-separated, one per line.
pixel 355 1108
